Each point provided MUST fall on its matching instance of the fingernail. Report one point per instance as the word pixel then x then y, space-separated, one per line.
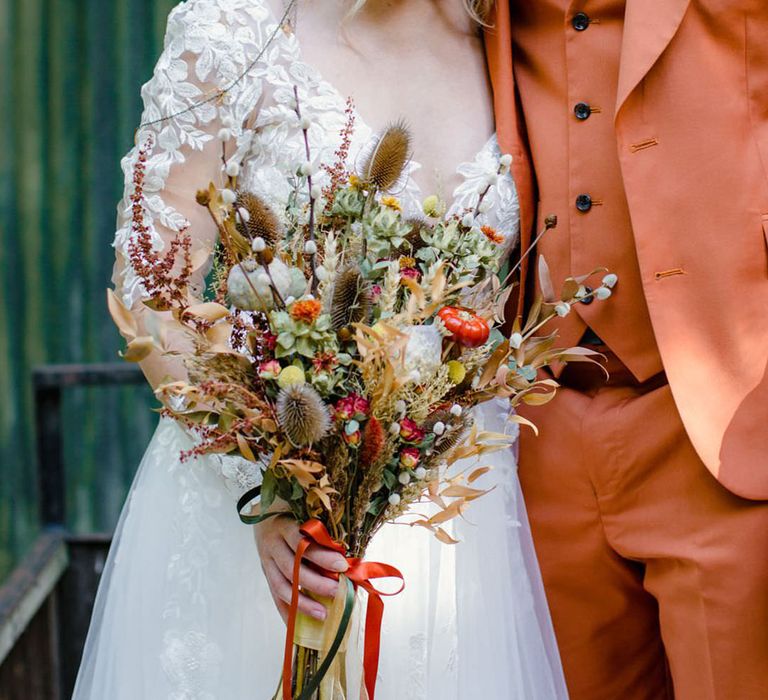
pixel 319 613
pixel 341 566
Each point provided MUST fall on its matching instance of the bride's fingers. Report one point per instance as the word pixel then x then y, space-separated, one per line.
pixel 308 579
pixel 323 557
pixel 281 589
pixel 326 558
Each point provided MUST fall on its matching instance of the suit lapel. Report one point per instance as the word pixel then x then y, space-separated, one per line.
pixel 648 28
pixel 509 132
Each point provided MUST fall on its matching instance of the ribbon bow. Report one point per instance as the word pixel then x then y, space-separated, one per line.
pixel 360 574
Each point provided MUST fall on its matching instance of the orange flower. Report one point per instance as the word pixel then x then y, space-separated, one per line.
pixel 492 234
pixel 306 310
pixel 407 262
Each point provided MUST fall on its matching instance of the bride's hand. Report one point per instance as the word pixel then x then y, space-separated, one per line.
pixel 276 540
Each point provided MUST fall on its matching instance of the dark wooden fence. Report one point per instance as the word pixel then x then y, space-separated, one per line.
pixel 45 605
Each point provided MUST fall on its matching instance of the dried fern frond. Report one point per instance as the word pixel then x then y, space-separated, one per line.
pixel 259 222
pixel 387 161
pixel 351 298
pixel 302 414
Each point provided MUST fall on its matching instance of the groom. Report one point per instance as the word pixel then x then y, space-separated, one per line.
pixel 643 125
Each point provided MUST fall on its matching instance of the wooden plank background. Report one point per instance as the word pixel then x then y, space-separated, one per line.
pixel 70 73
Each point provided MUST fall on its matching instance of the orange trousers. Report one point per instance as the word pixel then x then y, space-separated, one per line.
pixel 656 575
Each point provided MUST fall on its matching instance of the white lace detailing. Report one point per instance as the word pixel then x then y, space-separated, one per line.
pixel 209 43
pixel 190 660
pixel 239 474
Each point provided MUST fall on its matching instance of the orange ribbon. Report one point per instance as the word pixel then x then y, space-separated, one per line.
pixel 360 573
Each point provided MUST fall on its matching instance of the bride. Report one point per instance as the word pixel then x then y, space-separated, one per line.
pixel 190 601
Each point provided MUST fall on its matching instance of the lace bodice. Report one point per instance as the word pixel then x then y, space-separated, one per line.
pixel 228 73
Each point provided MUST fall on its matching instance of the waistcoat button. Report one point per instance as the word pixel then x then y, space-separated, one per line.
pixel 582 110
pixel 584 202
pixel 588 300
pixel 580 21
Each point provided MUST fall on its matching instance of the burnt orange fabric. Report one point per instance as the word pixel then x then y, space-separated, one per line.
pixel 691 134
pixel 653 570
pixel 556 70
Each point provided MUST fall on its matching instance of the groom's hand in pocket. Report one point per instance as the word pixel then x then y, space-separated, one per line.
pixel 277 539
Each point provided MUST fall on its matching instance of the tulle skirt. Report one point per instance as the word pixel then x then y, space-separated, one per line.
pixel 183 611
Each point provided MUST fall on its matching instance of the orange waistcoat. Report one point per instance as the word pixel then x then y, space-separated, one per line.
pixel 690 128
pixel 567 71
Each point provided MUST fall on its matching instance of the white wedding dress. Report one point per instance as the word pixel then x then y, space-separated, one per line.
pixel 183 611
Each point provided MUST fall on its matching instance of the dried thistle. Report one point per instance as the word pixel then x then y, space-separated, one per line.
pixel 351 298
pixel 302 414
pixel 259 220
pixel 387 160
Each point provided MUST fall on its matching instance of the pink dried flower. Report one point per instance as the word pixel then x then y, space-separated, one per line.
pixel 409 457
pixel 270 369
pixel 410 431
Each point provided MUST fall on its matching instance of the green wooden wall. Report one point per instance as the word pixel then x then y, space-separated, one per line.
pixel 70 73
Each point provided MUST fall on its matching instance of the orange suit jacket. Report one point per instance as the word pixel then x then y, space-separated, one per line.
pixel 691 125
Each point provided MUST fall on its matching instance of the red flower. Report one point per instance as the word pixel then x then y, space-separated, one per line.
pixel 410 431
pixel 410 273
pixel 409 457
pixel 268 340
pixel 352 407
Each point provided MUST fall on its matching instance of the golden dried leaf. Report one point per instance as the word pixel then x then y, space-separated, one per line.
pixel 199 258
pixel 208 311
pixel 245 448
pixel 477 473
pixel 417 293
pixel 120 314
pixel 537 398
pixel 514 418
pixel 138 349
pixel 444 537
pixel 465 492
pixel 499 355
pixel 303 470
pixel 545 281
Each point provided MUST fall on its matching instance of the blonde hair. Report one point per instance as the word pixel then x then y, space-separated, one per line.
pixel 477 9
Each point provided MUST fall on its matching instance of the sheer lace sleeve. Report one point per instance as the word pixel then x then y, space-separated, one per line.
pixel 200 115
pixel 200 106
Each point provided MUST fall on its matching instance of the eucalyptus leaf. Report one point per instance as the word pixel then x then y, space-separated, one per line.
pixel 268 490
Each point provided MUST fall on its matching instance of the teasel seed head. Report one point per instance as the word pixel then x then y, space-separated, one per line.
pixel 260 221
pixel 302 414
pixel 351 299
pixel 388 157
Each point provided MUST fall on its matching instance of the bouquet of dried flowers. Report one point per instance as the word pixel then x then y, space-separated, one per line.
pixel 341 346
